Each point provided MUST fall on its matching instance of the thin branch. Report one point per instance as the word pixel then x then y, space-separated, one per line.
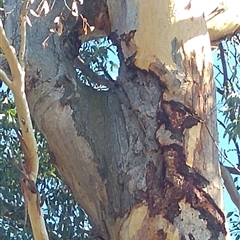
pixel 38 10
pixel 9 53
pixel 23 22
pixel 67 6
pixel 220 91
pixel 234 141
pixel 219 9
pixel 219 150
pixel 5 78
pixel 224 66
pixel 232 170
pixel 218 68
pixel 229 184
pixel 92 75
pixel 227 62
pixel 52 4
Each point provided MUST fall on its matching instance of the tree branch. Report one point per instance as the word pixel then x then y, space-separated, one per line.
pixel 224 66
pixel 5 78
pixel 10 54
pixel 223 19
pixel 92 75
pixel 27 138
pixel 229 184
pixel 232 170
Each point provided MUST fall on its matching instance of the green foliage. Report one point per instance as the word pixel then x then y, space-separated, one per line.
pixel 64 218
pixel 228 86
pixel 231 113
pixel 234 221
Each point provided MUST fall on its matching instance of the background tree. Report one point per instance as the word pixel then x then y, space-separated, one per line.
pixel 227 81
pixel 140 157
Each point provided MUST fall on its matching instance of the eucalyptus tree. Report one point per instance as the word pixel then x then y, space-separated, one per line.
pixel 140 158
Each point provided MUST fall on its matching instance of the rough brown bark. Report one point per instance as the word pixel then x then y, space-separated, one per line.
pixel 138 158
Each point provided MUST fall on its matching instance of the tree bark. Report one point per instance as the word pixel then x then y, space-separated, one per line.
pixel 139 158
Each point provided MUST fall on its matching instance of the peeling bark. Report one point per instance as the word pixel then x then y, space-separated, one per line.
pixel 138 158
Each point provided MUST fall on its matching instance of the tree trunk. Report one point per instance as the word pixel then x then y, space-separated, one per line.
pixel 139 158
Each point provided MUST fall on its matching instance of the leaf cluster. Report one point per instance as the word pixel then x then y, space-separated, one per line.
pixel 234 221
pixel 228 86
